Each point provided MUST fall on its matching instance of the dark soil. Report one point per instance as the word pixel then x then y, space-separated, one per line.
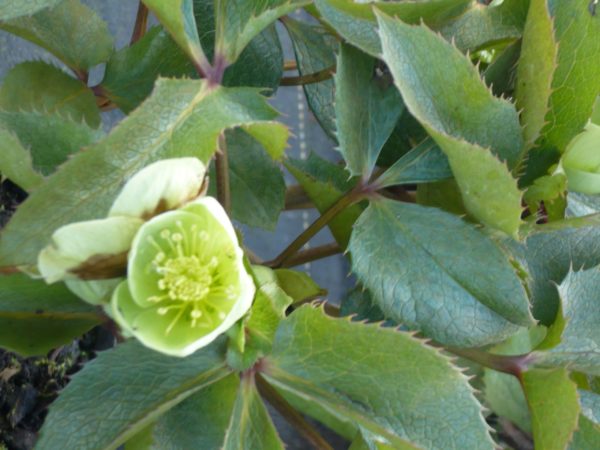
pixel 29 385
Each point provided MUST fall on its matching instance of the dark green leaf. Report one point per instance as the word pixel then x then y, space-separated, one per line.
pixel 482 25
pixel 35 317
pixel 49 139
pixel 70 31
pixel 251 427
pixel 356 22
pixel 456 108
pixel 177 16
pixel 131 72
pixel 257 185
pixel 426 268
pixel 16 163
pixel 587 435
pixel 367 108
pixel 122 391
pixel 579 346
pixel 425 163
pixel 325 183
pixel 590 405
pixel 201 420
pixel 315 51
pixel 37 86
pixel 238 21
pixel 181 118
pixel 334 362
pixel 552 399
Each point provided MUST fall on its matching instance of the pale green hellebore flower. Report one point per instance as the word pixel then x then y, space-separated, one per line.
pixel 186 283
pixel 581 161
pixel 97 249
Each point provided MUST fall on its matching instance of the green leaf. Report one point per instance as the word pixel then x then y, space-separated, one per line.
pixel 256 182
pixel 251 427
pixel 579 205
pixel 536 69
pixel 456 108
pixel 49 139
pixel 368 442
pixel 359 304
pixel 268 310
pixel 181 118
pixel 575 83
pixel 70 31
pixel 16 163
pixel 35 317
pixel 425 163
pixel 315 50
pixel 554 407
pixel 587 435
pixel 11 9
pixel 367 108
pixel 579 346
pixel 131 72
pixel 357 23
pixel 201 420
pixel 576 80
pixel 35 85
pixel 178 18
pixel 503 393
pixel 298 285
pixel 333 362
pixel 453 268
pixel 122 391
pixel 548 255
pixel 481 25
pixel 325 183
pixel 238 21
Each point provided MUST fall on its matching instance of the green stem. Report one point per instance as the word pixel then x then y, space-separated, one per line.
pixel 222 170
pixel 310 78
pixel 355 195
pixel 294 418
pixel 313 254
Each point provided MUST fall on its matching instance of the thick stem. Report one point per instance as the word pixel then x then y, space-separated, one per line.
pixel 310 78
pixel 513 365
pixel 355 195
pixel 312 254
pixel 141 23
pixel 222 169
pixel 290 65
pixel 214 75
pixel 293 417
pixel 9 270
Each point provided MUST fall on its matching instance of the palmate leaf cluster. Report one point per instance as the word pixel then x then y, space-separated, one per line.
pixel 450 117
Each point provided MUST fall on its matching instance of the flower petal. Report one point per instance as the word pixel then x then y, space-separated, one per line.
pixel 159 187
pixel 90 249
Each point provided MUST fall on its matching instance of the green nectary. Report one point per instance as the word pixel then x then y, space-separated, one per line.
pixel 186 281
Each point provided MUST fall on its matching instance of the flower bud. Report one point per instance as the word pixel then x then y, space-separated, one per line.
pixel 94 249
pixel 581 161
pixel 186 282
pixel 159 187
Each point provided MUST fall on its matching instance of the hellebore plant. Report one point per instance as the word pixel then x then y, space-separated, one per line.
pixel 459 179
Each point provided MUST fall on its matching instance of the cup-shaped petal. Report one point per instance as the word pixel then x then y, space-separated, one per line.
pixel 94 249
pixel 187 282
pixel 159 187
pixel 581 161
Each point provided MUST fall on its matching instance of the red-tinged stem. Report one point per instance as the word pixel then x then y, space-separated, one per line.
pixel 141 23
pixel 293 417
pixel 513 365
pixel 310 78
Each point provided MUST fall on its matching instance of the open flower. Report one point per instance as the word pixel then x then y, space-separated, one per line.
pixel 186 282
pixel 97 249
pixel 581 161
